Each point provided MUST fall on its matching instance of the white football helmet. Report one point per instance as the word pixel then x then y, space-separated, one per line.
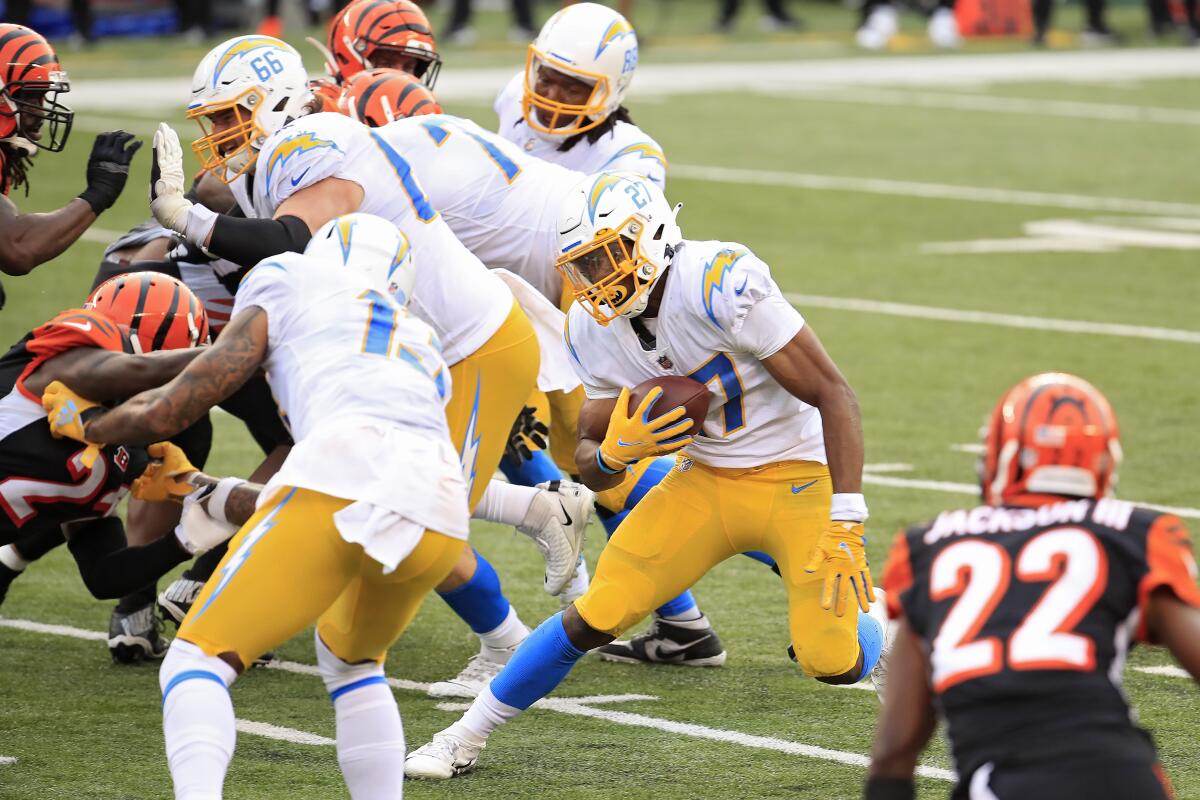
pixel 617 235
pixel 588 42
pixel 262 82
pixel 370 245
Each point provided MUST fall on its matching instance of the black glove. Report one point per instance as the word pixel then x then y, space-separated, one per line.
pixel 527 430
pixel 108 168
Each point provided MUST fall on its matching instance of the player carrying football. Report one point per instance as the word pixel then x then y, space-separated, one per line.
pixel 1015 617
pixel 367 514
pixel 650 304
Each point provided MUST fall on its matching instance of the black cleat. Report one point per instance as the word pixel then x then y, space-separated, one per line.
pixel 176 600
pixel 134 637
pixel 695 644
pixel 7 576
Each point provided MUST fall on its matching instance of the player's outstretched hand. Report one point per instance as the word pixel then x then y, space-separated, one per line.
pixel 108 168
pixel 528 431
pixel 841 552
pixel 68 415
pixel 634 436
pixel 166 476
pixel 197 532
pixel 167 202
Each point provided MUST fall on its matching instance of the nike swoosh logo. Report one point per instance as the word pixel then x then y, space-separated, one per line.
pixel 296 180
pixel 565 514
pixel 799 489
pixel 738 291
pixel 83 326
pixel 624 443
pixel 664 650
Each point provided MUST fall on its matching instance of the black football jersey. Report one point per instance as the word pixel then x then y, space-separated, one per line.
pixel 42 479
pixel 1027 615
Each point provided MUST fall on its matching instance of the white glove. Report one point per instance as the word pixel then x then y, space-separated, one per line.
pixel 197 532
pixel 167 203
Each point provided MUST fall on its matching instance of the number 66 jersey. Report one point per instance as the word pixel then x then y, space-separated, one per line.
pixel 1028 614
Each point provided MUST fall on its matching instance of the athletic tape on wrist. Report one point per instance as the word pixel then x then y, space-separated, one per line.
pixel 848 507
pixel 199 224
pixel 216 503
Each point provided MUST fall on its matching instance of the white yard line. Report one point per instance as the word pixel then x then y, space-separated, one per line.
pixel 54 630
pixel 7 761
pixel 973 489
pixel 1170 672
pixel 933 191
pixel 269 731
pixel 993 318
pixel 1115 112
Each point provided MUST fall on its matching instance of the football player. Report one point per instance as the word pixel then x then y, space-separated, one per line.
pixel 32 119
pixel 1015 617
pixel 366 529
pixel 135 332
pixel 291 172
pixel 777 468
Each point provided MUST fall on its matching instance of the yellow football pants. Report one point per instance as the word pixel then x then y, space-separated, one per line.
pixel 251 604
pixel 699 516
pixel 490 387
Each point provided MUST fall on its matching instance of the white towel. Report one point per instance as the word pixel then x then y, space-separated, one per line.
pixel 555 372
pixel 386 536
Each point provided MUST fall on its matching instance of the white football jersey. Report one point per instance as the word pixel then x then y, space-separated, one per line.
pixel 721 314
pixel 626 148
pixel 343 357
pixel 454 292
pixel 502 204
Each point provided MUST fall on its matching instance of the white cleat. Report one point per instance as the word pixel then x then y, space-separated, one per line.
pixel 880 27
pixel 556 521
pixel 943 30
pixel 477 674
pixel 879 674
pixel 441 759
pixel 577 587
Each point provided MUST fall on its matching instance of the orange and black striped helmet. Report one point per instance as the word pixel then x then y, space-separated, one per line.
pixel 156 311
pixel 325 92
pixel 30 114
pixel 379 96
pixel 383 33
pixel 1051 434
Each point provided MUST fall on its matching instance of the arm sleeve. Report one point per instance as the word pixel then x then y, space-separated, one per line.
pixel 248 241
pixel 110 568
pixel 1170 564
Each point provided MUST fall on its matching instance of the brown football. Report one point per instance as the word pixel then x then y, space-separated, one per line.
pixel 677 391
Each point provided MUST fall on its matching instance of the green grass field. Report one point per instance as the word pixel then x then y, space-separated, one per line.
pixel 80 727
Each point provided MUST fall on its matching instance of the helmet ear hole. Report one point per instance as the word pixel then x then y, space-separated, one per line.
pixel 658 233
pixel 281 105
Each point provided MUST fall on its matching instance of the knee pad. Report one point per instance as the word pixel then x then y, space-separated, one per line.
pixel 609 608
pixel 341 677
pixel 827 650
pixel 186 661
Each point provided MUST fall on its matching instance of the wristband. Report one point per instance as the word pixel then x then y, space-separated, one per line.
pixel 199 224
pixel 99 200
pixel 184 542
pixel 847 507
pixel 216 503
pixel 604 467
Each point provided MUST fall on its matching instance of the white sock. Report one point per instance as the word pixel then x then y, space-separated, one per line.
pixel 370 735
pixel 692 615
pixel 198 723
pixel 499 642
pixel 484 716
pixel 505 502
pixel 10 558
pixel 578 585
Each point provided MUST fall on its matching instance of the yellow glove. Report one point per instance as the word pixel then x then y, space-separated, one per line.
pixel 68 415
pixel 632 437
pixel 841 551
pixel 165 477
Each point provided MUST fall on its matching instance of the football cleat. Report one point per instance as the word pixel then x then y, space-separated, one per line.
pixel 879 674
pixel 176 600
pixel 556 521
pixel 669 643
pixel 880 27
pixel 477 674
pixel 943 29
pixel 7 576
pixel 443 758
pixel 134 637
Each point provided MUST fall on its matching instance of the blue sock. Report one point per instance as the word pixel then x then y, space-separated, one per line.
pixel 870 639
pixel 758 555
pixel 677 606
pixel 538 469
pixel 479 601
pixel 539 665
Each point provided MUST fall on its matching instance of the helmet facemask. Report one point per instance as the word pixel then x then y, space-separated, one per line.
pixel 426 64
pixel 231 151
pixel 566 119
pixel 611 276
pixel 36 108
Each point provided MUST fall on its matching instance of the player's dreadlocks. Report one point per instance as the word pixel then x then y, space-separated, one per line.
pixel 14 173
pixel 593 135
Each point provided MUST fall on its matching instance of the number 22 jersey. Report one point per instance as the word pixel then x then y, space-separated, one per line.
pixel 1028 615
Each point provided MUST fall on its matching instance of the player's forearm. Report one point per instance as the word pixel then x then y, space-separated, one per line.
pixel 29 240
pixel 122 375
pixel 591 472
pixel 236 506
pixel 144 419
pixel 842 426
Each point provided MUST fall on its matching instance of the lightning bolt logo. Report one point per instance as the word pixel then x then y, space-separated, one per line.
pixel 243 45
pixel 643 150
pixel 294 145
pixel 602 185
pixel 345 229
pixel 238 558
pixel 469 454
pixel 714 278
pixel 616 30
